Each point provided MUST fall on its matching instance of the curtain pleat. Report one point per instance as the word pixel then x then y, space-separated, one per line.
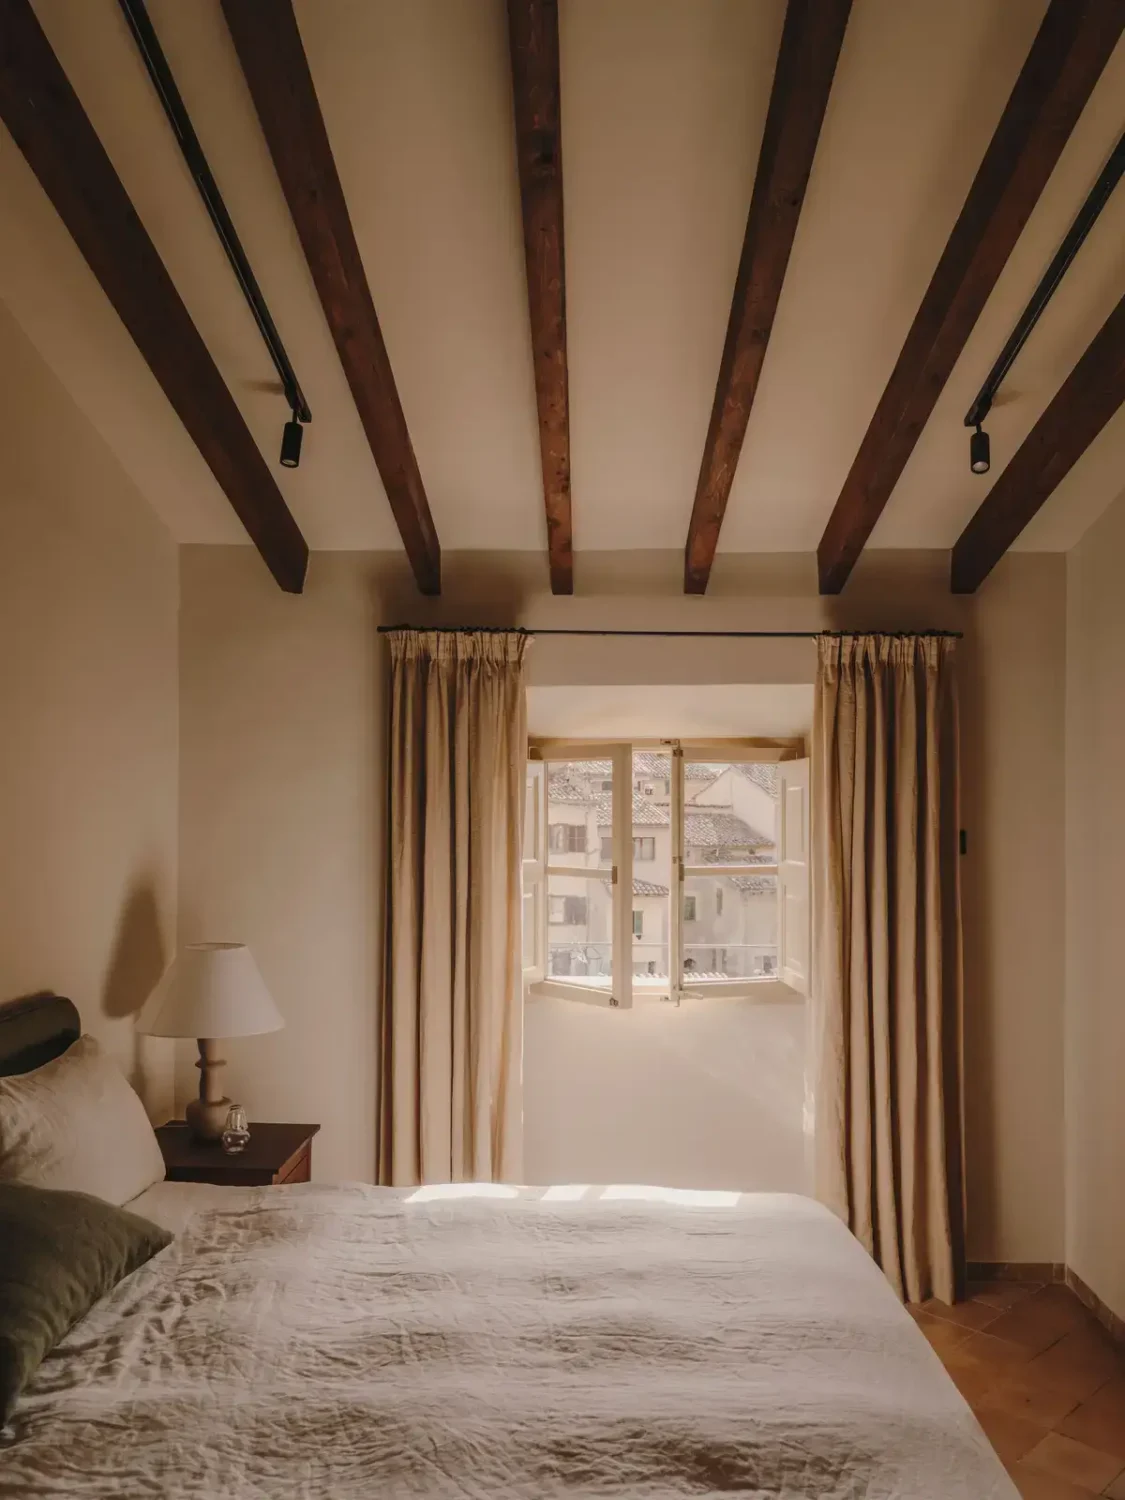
pixel 887 969
pixel 452 1040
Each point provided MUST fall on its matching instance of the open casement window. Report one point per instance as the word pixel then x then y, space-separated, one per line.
pixel 577 878
pixel 534 870
pixel 734 876
pixel 793 911
pixel 662 870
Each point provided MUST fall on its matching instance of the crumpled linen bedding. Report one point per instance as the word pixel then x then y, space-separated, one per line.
pixel 337 1342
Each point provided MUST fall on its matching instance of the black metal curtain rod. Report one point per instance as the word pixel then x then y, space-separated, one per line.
pixel 169 95
pixel 727 635
pixel 1096 200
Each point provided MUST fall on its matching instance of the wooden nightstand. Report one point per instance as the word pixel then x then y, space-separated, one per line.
pixel 274 1153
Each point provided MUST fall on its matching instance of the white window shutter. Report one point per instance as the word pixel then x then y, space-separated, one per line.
pixel 622 756
pixel 793 907
pixel 676 915
pixel 535 873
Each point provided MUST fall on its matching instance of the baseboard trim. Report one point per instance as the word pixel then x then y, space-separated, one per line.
pixel 1057 1274
pixel 1106 1316
pixel 1017 1270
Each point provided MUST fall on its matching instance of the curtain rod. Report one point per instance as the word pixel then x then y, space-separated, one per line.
pixel 739 635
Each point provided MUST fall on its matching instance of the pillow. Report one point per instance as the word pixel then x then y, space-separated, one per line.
pixel 76 1124
pixel 61 1253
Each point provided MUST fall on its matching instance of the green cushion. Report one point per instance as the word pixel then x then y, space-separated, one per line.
pixel 59 1253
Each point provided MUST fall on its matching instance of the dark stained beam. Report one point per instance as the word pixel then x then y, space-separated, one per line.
pixel 806 63
pixel 1066 59
pixel 50 127
pixel 533 34
pixel 1088 398
pixel 269 48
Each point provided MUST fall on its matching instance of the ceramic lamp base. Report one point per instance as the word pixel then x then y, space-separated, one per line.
pixel 207 1115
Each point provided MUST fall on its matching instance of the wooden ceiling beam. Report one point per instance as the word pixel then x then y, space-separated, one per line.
pixel 1066 60
pixel 1088 398
pixel 268 42
pixel 50 127
pixel 533 35
pixel 806 64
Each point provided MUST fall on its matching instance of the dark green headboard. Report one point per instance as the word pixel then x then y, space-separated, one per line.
pixel 34 1030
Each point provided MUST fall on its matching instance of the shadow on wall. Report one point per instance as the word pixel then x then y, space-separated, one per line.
pixel 488 593
pixel 137 960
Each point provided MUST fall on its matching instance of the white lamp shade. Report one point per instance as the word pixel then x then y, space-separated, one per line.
pixel 210 990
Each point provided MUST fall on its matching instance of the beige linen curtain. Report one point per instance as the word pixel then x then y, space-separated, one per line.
pixel 452 1021
pixel 887 975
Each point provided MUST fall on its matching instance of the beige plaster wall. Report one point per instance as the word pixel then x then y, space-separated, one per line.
pixel 1095 869
pixel 282 788
pixel 89 739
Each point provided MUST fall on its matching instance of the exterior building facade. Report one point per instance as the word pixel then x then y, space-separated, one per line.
pixel 729 921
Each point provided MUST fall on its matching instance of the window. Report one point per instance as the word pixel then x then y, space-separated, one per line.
pixel 701 890
pixel 581 926
pixel 568 838
pixel 567 911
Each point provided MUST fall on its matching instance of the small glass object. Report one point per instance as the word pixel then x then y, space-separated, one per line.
pixel 236 1131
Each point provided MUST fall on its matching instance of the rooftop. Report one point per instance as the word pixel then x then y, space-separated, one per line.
pixel 642 888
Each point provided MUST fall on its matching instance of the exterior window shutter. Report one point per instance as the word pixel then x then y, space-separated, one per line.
pixel 793 911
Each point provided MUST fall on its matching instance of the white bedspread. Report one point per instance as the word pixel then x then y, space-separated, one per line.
pixel 344 1342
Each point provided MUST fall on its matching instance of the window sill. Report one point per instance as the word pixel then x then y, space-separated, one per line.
pixel 754 992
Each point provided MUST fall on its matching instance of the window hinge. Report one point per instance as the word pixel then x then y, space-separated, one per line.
pixel 613 880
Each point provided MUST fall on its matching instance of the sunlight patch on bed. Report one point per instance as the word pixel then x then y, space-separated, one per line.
pixel 686 1197
pixel 436 1191
pixel 566 1192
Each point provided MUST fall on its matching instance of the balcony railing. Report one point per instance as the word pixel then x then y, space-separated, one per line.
pixel 591 964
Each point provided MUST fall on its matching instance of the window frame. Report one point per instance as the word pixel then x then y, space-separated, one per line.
pixel 534 870
pixel 746 752
pixel 621 993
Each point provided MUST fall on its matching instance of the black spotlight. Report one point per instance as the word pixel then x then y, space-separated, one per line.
pixel 980 453
pixel 291 444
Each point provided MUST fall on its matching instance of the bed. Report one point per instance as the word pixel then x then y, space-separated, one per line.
pixel 478 1340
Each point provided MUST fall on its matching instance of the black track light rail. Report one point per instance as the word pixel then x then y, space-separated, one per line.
pixel 169 95
pixel 1087 215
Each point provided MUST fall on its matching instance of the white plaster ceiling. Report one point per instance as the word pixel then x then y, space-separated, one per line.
pixel 663 107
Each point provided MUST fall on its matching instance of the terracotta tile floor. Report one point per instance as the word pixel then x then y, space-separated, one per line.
pixel 1045 1380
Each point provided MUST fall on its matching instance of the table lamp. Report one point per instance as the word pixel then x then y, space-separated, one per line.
pixel 210 991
